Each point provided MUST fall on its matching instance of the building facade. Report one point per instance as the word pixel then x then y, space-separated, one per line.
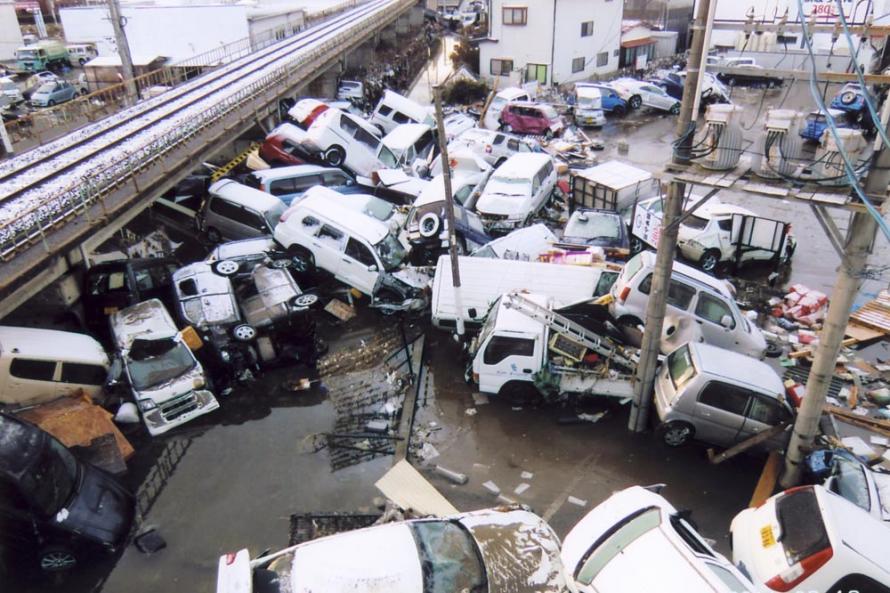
pixel 550 41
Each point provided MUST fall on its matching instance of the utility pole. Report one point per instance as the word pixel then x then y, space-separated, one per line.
pixel 857 248
pixel 667 241
pixel 123 50
pixel 449 211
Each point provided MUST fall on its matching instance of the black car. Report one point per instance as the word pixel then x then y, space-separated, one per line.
pixel 54 505
pixel 114 285
pixel 600 228
pixel 750 75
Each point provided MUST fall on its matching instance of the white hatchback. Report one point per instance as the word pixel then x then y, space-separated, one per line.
pixel 638 93
pixel 516 191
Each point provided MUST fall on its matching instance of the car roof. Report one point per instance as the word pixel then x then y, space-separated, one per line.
pixel 615 174
pixel 291 171
pixel 404 135
pixel 531 104
pixel 48 344
pixel 512 320
pixel 524 165
pixel 511 93
pixel 717 209
pixel 146 320
pixel 356 223
pixel 20 443
pixel 686 272
pixel 405 105
pixel 746 369
pixel 855 527
pixel 243 195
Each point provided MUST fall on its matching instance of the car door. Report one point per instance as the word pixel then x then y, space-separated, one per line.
pixel 251 224
pixel 720 412
pixel 107 290
pixel 152 280
pixel 328 245
pixel 710 311
pixel 362 153
pixel 359 267
pixel 763 413
pixel 508 358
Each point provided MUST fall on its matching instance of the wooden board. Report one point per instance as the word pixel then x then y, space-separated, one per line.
pixel 876 424
pixel 861 333
pixel 875 314
pixel 766 485
pixel 409 490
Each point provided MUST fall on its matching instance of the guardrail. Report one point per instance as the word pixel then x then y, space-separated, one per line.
pixel 34 224
pixel 51 123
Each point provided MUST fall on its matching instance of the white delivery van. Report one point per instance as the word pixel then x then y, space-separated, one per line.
pixel 484 279
pixel 394 110
pixel 612 185
pixel 39 365
pixel 589 106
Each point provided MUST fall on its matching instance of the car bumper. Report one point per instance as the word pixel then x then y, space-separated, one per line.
pixel 179 410
pixel 691 250
pixel 590 118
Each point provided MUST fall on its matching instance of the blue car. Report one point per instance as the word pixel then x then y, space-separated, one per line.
pixel 611 100
pixel 817 122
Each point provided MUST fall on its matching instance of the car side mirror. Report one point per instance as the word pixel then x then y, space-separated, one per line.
pixel 372 268
pixel 726 321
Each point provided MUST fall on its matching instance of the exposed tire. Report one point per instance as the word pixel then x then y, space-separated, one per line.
pixel 213 235
pixel 244 332
pixel 676 434
pixel 620 111
pixel 520 393
pixel 636 245
pixel 280 263
pixel 774 349
pixel 225 267
pixel 428 225
pixel 709 260
pixel 848 97
pixel 57 558
pixel 675 109
pixel 334 156
pixel 302 258
pixel 51 103
pixel 305 300
pixel 635 102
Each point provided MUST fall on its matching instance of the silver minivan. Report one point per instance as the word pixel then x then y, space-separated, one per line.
pixel 718 396
pixel 234 211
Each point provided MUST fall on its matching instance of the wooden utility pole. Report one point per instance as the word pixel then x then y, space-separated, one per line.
pixel 667 241
pixel 123 50
pixel 449 211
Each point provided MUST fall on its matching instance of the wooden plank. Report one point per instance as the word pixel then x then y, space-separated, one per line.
pixel 766 485
pixel 409 490
pixel 875 314
pixel 876 424
pixel 862 333
pixel 760 437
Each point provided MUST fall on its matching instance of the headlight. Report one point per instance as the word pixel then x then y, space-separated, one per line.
pixel 695 244
pixel 198 383
pixel 147 405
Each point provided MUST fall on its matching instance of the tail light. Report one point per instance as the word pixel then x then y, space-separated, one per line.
pixel 262 187
pixel 230 558
pixel 794 575
pixel 625 292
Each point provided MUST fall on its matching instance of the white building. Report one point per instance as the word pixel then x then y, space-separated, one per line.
pixel 551 41
pixel 10 33
pixel 180 31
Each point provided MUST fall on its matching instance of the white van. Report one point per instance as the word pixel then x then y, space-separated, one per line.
pixel 39 365
pixel 344 140
pixel 394 110
pixel 234 211
pixel 517 191
pixel 699 308
pixel 492 119
pixel 589 106
pixel 525 244
pixel 409 143
pixel 82 52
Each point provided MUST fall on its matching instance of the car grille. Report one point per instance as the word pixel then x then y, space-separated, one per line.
pixel 493 217
pixel 179 405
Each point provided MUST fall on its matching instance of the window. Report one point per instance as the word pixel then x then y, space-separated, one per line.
pixel 360 253
pixel 679 295
pixel 83 374
pixel 498 139
pixel 616 53
pixel 501 347
pixel 724 397
pixel 401 118
pixel 335 179
pixel 680 366
pixel 729 579
pixel 366 138
pixel 461 195
pixel 501 67
pixel 786 39
pixel 310 221
pixel 622 537
pixel 331 237
pixel 536 72
pixel 347 125
pixel 725 224
pixel 281 187
pixel 36 370
pixel 384 110
pixel 713 309
pixel 587 29
pixel 515 15
pixel 253 220
pixel 767 411
pixel 688 534
pixel 602 59
pixel 106 282
pixel 578 65
pixel 225 208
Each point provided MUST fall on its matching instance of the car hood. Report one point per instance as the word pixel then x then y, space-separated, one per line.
pixel 501 199
pixel 414 277
pixel 174 387
pixel 519 550
pixel 101 510
pixel 380 558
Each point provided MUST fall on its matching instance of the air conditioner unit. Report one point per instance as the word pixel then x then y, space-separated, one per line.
pixel 780 146
pixel 828 167
pixel 721 143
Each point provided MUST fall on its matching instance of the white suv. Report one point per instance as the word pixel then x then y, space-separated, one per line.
pixel 356 248
pixel 494 147
pixel 638 93
pixel 516 191
pixel 637 542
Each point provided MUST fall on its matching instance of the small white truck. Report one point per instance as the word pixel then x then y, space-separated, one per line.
pixel 526 351
pixel 485 279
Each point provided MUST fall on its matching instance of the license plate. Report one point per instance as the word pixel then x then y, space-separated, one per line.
pixel 766 536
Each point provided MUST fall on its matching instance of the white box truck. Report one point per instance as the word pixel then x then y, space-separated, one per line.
pixel 483 280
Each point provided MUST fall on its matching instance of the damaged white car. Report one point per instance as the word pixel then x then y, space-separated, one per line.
pixel 165 378
pixel 494 551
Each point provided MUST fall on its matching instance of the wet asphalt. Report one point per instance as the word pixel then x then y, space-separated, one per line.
pixel 231 479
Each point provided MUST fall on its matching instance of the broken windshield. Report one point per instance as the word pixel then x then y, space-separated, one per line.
pixel 49 483
pixel 152 362
pixel 448 557
pixel 391 252
pixel 593 226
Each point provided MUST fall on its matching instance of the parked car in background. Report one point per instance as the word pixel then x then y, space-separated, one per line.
pixel 112 285
pixel 810 539
pixel 54 506
pixel 846 475
pixel 283 146
pixel 10 93
pixel 81 53
pixel 599 228
pixel 635 527
pixel 351 90
pixel 491 120
pixel 816 123
pixel 234 211
pixel 645 94
pixel 53 93
pixel 492 146
pixel 36 80
pixel 516 191
pixel 466 552
pixel 343 140
pixel 750 75
pixel 531 118
pixel 165 379
pixel 712 90
pixel 718 396
pixel 290 183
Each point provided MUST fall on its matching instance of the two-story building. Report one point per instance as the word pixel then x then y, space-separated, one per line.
pixel 550 41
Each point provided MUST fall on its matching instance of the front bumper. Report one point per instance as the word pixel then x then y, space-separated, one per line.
pixel 499 223
pixel 178 410
pixel 590 118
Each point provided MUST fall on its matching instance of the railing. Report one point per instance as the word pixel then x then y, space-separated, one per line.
pixel 78 197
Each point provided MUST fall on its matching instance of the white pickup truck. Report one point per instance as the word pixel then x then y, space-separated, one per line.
pixel 526 350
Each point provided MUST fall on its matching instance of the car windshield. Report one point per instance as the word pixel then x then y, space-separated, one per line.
pixel 152 362
pixel 510 186
pixel 391 252
pixel 273 215
pixel 681 367
pixel 27 54
pixel 850 482
pixel 629 531
pixel 386 157
pixel 379 209
pixel 695 222
pixel 448 558
pixel 588 101
pixel 46 88
pixel 49 483
pixel 592 225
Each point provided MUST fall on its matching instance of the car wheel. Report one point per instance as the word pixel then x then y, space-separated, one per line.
pixel 84 92
pixel 636 245
pixel 521 393
pixel 848 97
pixel 774 349
pixel 244 332
pixel 51 103
pixel 675 109
pixel 709 260
pixel 305 300
pixel 214 236
pixel 226 267
pixel 619 110
pixel 57 559
pixel 429 224
pixel 334 156
pixel 302 258
pixel 635 102
pixel 676 434
pixel 280 263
